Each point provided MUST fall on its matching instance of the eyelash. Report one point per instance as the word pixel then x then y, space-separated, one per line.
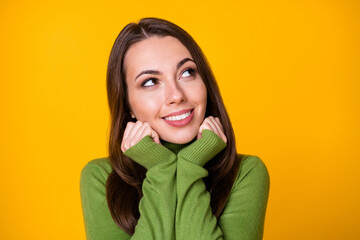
pixel 190 70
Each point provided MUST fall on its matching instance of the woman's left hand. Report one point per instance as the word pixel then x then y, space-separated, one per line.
pixel 214 125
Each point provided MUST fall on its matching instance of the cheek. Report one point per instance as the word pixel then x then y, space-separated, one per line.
pixel 199 93
pixel 204 94
pixel 145 106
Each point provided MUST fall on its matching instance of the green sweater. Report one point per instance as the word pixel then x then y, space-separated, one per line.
pixel 175 202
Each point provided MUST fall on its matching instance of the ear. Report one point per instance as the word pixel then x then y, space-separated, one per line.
pixel 132 115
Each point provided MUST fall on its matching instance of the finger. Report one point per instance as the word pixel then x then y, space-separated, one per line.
pixel 216 124
pixel 220 129
pixel 132 139
pixel 207 125
pixel 204 125
pixel 140 134
pixel 152 133
pixel 214 128
pixel 147 130
pixel 155 136
pixel 218 120
pixel 128 128
pixel 132 133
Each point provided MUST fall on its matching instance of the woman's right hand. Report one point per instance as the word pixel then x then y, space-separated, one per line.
pixel 134 132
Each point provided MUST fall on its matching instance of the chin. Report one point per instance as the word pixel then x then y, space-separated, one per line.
pixel 180 139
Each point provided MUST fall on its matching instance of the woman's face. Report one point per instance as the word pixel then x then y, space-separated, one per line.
pixel 163 80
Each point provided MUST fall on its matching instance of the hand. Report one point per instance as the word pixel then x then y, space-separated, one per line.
pixel 214 125
pixel 134 132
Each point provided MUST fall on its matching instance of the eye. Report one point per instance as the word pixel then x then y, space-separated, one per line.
pixel 188 72
pixel 149 82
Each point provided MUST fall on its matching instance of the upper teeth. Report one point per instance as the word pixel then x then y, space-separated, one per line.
pixel 179 117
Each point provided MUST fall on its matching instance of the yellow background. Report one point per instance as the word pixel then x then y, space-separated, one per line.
pixel 289 73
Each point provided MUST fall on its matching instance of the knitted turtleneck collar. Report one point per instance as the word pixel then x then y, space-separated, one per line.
pixel 175 147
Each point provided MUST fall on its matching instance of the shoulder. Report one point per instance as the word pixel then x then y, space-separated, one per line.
pixel 252 170
pixel 250 163
pixel 96 171
pixel 244 213
pixel 98 165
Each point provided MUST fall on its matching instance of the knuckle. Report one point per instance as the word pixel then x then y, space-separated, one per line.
pixel 129 125
pixel 132 143
pixel 144 133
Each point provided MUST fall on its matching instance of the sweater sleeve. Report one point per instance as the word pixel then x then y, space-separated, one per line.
pixel 97 218
pixel 243 215
pixel 156 207
pixel 158 204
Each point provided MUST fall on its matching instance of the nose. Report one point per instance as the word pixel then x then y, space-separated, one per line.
pixel 174 94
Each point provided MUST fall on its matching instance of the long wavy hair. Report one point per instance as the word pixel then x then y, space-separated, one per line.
pixel 124 184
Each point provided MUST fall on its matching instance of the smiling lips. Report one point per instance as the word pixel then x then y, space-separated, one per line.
pixel 179 119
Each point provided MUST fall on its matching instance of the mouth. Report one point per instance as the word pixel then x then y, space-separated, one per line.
pixel 180 120
pixel 178 117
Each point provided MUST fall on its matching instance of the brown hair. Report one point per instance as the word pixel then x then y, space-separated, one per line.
pixel 123 186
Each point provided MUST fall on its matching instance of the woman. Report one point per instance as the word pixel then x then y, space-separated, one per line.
pixel 173 171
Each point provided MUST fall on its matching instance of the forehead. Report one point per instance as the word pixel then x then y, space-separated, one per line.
pixel 154 53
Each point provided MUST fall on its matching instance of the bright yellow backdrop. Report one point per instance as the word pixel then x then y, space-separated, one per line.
pixel 289 73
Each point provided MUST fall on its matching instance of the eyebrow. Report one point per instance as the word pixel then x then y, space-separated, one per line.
pixel 157 72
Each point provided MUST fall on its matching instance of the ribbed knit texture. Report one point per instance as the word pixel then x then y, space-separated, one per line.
pixel 175 148
pixel 154 152
pixel 204 149
pixel 175 202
